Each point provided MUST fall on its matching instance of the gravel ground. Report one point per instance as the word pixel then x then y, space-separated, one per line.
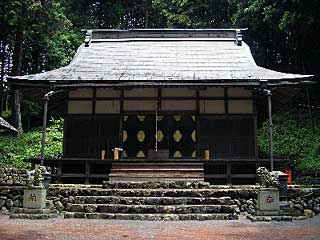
pixel 80 229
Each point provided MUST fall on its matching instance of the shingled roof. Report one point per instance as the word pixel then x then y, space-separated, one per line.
pixel 162 56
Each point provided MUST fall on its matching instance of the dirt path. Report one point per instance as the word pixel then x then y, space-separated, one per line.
pixel 80 229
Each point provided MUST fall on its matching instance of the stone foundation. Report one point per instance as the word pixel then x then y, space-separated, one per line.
pixel 13 177
pixel 179 200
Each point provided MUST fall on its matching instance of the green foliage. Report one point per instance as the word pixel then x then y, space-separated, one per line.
pixel 310 163
pixel 193 14
pixel 281 33
pixel 30 108
pixel 293 139
pixel 62 47
pixel 6 114
pixel 14 151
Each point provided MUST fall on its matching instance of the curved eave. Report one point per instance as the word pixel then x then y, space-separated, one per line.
pixel 22 82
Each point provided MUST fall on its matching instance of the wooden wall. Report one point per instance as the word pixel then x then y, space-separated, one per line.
pixel 225 117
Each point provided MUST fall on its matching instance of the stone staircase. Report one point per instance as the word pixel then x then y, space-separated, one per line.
pixel 156 170
pixel 153 201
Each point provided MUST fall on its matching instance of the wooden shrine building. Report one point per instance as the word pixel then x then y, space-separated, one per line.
pixel 166 97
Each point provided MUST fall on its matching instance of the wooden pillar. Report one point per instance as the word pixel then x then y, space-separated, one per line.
pixel 229 172
pixel 269 94
pixel 94 99
pixel 87 173
pixel 198 147
pixel 255 129
pixel 65 135
pixel 59 171
pixel 121 119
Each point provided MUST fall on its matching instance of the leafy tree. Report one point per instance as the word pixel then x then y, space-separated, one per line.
pixel 281 33
pixel 15 151
pixel 31 31
pixel 193 14
pixel 293 139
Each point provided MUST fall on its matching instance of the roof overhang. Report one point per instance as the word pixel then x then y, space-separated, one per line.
pixel 5 124
pixel 161 57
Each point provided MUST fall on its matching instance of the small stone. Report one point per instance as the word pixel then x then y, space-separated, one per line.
pixel 59 206
pixel 236 201
pixel 68 206
pixel 91 200
pixel 316 209
pixel 4 210
pixel 304 204
pixel 93 216
pixel 310 201
pixel 9 203
pixel 299 206
pixel 251 211
pixel 2 202
pixel 308 213
pixel 249 202
pixel 71 199
pixel 76 208
pixel 79 215
pixel 17 203
pixel 64 201
pixel 90 208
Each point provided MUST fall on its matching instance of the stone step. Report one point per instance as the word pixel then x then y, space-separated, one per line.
pixel 152 217
pixel 233 193
pixel 33 210
pixel 161 162
pixel 33 216
pixel 156 185
pixel 158 209
pixel 151 200
pixel 156 173
pixel 158 165
pixel 128 171
pixel 152 178
pixel 270 218
pixel 158 169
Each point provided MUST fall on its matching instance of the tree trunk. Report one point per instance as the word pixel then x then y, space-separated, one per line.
pixel 17 110
pixel 16 71
pixel 17 53
pixel 4 43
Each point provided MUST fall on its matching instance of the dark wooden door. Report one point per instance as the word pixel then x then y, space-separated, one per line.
pixel 86 136
pixel 227 137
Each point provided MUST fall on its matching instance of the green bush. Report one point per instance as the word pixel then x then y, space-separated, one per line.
pixel 293 139
pixel 14 151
